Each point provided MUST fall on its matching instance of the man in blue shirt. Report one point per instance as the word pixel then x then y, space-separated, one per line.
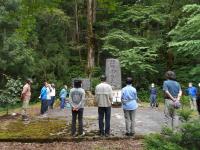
pixel 129 104
pixel 192 92
pixel 153 95
pixel 43 97
pixel 173 92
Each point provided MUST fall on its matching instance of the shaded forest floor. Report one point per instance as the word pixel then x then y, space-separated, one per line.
pixel 85 145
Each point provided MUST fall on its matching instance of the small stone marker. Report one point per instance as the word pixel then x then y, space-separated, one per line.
pixel 113 73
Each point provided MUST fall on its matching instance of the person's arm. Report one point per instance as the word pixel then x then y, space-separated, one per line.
pixel 179 95
pixel 111 94
pixel 25 89
pixel 82 102
pixel 170 96
pixel 70 99
pixel 61 92
pixel 42 93
pixel 166 91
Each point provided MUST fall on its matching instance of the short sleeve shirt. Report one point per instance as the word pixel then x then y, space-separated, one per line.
pixel 172 86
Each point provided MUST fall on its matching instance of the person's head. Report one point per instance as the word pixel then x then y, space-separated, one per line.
pixel 45 83
pixel 53 85
pixel 129 80
pixel 29 81
pixel 170 75
pixel 103 78
pixel 77 83
pixel 190 84
pixel 65 86
pixel 152 85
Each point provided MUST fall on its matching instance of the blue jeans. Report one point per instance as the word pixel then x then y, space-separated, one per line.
pixel 104 111
pixel 152 100
pixel 62 103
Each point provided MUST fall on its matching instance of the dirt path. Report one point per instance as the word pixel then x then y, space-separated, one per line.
pixel 148 120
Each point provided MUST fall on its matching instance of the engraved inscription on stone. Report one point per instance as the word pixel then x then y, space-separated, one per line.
pixel 113 73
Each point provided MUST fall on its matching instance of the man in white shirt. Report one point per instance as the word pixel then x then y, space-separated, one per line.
pixel 53 95
pixel 103 94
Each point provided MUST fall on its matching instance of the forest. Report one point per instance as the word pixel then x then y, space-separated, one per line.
pixel 57 40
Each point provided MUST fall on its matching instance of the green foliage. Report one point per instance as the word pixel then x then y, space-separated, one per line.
pixel 186 40
pixel 185 101
pixel 187 137
pixel 11 93
pixel 185 114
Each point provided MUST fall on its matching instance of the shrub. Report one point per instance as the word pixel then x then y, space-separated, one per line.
pixel 11 93
pixel 187 136
pixel 185 114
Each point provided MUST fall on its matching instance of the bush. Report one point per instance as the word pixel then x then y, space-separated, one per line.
pixel 11 93
pixel 185 114
pixel 186 137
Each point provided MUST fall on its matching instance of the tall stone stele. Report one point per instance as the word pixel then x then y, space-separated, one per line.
pixel 113 73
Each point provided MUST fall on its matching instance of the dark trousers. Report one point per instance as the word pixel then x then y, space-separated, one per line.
pixel 52 102
pixel 44 106
pixel 80 121
pixel 104 111
pixel 198 104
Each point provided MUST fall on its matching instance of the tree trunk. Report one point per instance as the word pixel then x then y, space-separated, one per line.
pixel 77 31
pixel 90 36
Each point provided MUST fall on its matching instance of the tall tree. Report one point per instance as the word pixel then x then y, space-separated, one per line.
pixel 91 11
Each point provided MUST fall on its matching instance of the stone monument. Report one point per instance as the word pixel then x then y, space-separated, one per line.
pixel 113 77
pixel 113 73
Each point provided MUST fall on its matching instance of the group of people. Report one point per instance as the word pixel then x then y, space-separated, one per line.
pixel 104 95
pixel 192 92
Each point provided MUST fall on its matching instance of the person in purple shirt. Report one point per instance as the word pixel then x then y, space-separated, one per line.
pixel 153 95
pixel 192 92
pixel 129 104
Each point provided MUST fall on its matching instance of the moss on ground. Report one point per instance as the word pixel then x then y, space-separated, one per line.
pixel 35 129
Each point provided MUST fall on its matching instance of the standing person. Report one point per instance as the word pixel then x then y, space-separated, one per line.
pixel 192 92
pixel 153 95
pixel 103 94
pixel 77 101
pixel 48 96
pixel 25 97
pixel 198 100
pixel 129 104
pixel 63 95
pixel 173 93
pixel 43 97
pixel 53 95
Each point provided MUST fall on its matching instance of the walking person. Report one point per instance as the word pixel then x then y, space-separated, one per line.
pixel 43 97
pixel 153 95
pixel 173 93
pixel 103 95
pixel 192 92
pixel 53 95
pixel 77 101
pixel 25 97
pixel 129 104
pixel 63 95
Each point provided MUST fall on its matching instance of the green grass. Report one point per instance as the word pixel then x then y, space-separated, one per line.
pixel 35 129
